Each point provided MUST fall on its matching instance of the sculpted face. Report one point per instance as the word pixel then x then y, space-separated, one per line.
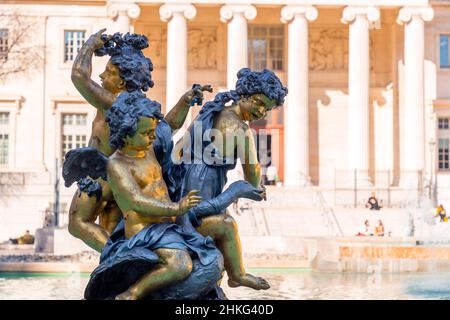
pixel 111 80
pixel 256 107
pixel 144 136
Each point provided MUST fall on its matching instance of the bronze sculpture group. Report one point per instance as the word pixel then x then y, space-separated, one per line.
pixel 163 229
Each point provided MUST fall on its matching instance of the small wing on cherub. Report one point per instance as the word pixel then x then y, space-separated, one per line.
pixel 84 163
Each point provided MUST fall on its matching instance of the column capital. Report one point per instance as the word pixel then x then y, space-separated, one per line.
pixel 288 13
pixel 228 11
pixel 372 14
pixel 166 11
pixel 406 14
pixel 113 8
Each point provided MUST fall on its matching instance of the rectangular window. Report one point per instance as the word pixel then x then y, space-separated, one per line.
pixel 443 123
pixel 4 138
pixel 444 51
pixel 4 146
pixel 80 119
pixel 266 47
pixel 4 118
pixel 443 154
pixel 80 141
pixel 4 44
pixel 73 40
pixel 74 119
pixel 74 128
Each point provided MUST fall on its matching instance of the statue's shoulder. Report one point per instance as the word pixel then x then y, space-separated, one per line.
pixel 228 119
pixel 115 161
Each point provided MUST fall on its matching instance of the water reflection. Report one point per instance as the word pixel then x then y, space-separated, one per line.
pixel 298 284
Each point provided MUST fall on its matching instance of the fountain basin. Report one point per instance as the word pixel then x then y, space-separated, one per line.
pixel 371 255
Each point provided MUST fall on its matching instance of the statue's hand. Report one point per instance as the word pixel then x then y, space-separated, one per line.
pixel 195 95
pixel 97 40
pixel 243 189
pixel 188 202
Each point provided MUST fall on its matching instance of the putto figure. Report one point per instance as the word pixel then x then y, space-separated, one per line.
pixel 127 70
pixel 206 167
pixel 133 266
pixel 149 206
pixel 149 255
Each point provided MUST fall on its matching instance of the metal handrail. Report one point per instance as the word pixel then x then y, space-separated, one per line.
pixel 326 210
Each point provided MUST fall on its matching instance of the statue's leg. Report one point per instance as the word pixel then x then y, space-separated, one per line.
pixel 223 229
pixel 110 216
pixel 176 266
pixel 84 211
pixel 82 215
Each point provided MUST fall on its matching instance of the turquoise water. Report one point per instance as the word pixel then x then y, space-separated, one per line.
pixel 285 284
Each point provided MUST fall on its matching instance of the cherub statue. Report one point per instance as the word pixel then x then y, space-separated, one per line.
pixel 148 255
pixel 126 70
pixel 256 94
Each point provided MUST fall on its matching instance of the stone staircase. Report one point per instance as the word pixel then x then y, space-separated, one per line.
pixel 303 212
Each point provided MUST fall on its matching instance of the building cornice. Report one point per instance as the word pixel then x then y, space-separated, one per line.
pixel 78 99
pixel 16 99
pixel 325 3
pixel 55 10
pixel 441 103
pixel 332 3
pixel 58 2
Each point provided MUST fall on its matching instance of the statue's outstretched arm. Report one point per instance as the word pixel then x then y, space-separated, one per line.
pixel 97 96
pixel 129 195
pixel 177 115
pixel 248 155
pixel 217 205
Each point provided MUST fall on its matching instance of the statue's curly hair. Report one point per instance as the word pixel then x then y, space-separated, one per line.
pixel 124 114
pixel 266 82
pixel 126 54
pixel 249 83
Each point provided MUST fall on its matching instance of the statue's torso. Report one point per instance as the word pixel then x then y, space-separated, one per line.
pixel 227 121
pixel 147 174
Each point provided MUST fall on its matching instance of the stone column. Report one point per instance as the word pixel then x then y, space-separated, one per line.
pixel 296 115
pixel 122 12
pixel 359 19
pixel 412 156
pixel 176 80
pixel 236 16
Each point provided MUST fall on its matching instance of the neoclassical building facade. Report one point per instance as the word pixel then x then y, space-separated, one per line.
pixel 368 103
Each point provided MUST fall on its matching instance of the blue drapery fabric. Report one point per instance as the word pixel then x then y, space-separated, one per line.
pixel 124 261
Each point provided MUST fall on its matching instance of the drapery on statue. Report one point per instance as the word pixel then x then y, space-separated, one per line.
pixel 127 177
pixel 256 93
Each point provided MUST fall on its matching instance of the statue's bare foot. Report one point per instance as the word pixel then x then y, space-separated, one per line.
pixel 127 295
pixel 250 281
